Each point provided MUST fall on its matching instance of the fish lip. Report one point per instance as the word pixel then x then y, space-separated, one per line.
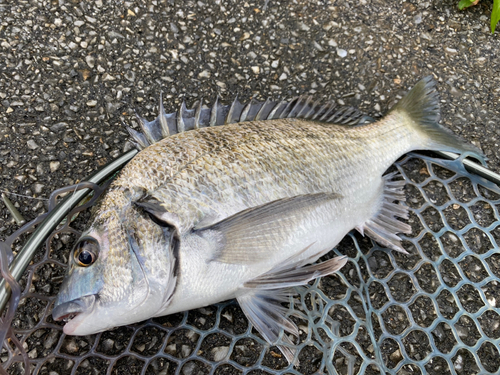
pixel 70 309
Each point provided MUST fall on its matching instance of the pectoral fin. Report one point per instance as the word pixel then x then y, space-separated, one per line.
pixel 262 302
pixel 251 236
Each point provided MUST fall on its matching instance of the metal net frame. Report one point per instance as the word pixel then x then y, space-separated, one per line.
pixel 433 311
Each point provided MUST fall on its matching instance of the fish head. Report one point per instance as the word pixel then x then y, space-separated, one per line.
pixel 119 272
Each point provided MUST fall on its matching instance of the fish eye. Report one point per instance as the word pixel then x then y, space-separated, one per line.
pixel 86 252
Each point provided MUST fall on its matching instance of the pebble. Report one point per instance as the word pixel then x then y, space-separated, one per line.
pixel 108 344
pixel 107 77
pixel 38 188
pixel 451 51
pixel 204 74
pixel 32 353
pixel 185 351
pixel 71 347
pixel 92 103
pixel 32 144
pixel 54 166
pixel 303 27
pixel 220 352
pixel 341 52
pixel 90 60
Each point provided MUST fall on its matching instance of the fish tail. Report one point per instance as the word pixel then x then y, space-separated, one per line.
pixel 420 108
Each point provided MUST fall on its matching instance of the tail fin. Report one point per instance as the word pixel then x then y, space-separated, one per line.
pixel 421 108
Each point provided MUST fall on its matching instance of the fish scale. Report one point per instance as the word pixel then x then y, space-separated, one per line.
pixel 286 157
pixel 292 189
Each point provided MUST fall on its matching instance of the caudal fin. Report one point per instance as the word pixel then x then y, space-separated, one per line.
pixel 420 107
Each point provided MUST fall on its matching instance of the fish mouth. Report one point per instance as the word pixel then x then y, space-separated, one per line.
pixel 73 312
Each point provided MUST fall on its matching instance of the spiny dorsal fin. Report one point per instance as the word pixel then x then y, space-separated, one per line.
pixel 185 119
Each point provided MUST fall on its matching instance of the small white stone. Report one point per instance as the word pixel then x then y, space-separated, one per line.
pixel 275 64
pixel 204 74
pixel 283 76
pixel 90 60
pixel 256 69
pixel 220 352
pixel 32 144
pixel 303 26
pixel 332 43
pixel 341 52
pixel 107 77
pixel 451 51
pixel 92 103
pixel 54 166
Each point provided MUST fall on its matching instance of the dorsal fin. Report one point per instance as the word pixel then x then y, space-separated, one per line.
pixel 185 119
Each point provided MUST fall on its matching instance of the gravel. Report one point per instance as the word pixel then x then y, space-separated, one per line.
pixel 71 73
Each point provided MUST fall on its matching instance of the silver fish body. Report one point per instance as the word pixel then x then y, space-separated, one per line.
pixel 241 211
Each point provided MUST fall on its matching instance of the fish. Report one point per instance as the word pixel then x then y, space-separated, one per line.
pixel 244 210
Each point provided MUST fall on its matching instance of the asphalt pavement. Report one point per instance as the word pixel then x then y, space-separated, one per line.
pixel 73 73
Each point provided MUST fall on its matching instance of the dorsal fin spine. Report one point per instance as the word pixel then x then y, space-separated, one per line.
pixel 311 110
pixel 261 110
pixel 166 125
pixel 162 119
pixel 197 114
pixel 180 120
pixel 213 114
pixel 229 117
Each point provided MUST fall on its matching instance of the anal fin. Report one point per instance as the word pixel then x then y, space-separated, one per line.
pixel 384 226
pixel 264 294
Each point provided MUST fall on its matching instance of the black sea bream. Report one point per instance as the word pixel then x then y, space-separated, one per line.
pixel 243 210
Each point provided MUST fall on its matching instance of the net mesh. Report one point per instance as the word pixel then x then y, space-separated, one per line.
pixel 433 311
